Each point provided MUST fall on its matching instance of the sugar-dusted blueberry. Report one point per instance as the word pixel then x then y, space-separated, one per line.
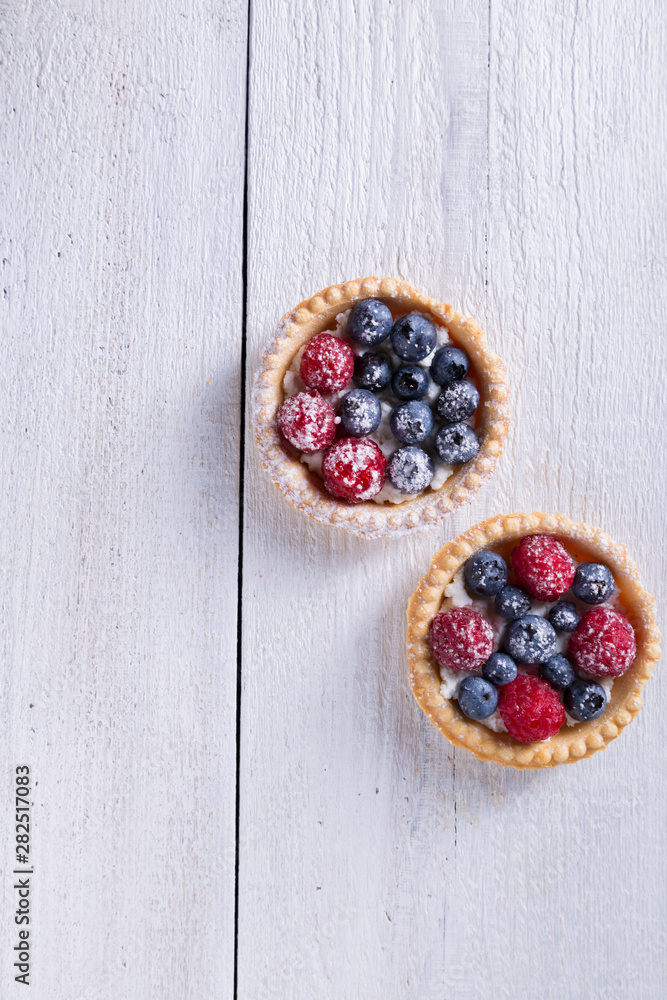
pixel 558 671
pixel 369 323
pixel 449 364
pixel 413 337
pixel 564 616
pixel 411 422
pixel 530 639
pixel 410 469
pixel 512 602
pixel 458 400
pixel 456 444
pixel 584 699
pixel 499 669
pixel 478 699
pixel 410 382
pixel 360 413
pixel 593 583
pixel 372 371
pixel 485 573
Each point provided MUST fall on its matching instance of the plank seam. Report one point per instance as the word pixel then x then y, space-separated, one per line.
pixel 242 404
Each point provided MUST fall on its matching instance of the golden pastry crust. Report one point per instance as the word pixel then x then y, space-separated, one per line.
pixel 571 743
pixel 303 488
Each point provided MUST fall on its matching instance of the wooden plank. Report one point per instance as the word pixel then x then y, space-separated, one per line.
pixel 368 155
pixel 375 860
pixel 121 233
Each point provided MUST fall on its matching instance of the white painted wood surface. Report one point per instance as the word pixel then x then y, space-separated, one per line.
pixel 505 157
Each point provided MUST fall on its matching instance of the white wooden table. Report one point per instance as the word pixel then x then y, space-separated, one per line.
pixel 235 795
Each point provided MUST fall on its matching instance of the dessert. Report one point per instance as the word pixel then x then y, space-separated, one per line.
pixel 530 639
pixel 400 375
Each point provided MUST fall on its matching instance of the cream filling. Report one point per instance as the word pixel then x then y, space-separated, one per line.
pixel 456 596
pixel 382 435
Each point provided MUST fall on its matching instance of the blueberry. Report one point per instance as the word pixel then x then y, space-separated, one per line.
pixel 558 671
pixel 410 469
pixel 499 669
pixel 411 422
pixel 410 382
pixel 477 698
pixel 369 323
pixel 564 616
pixel 456 444
pixel 457 401
pixel 360 412
pixel 512 602
pixel 584 699
pixel 530 639
pixel 449 364
pixel 413 337
pixel 485 573
pixel 593 583
pixel 372 371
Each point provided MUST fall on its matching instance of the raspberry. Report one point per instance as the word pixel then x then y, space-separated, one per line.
pixel 530 709
pixel 543 567
pixel 307 421
pixel 603 643
pixel 461 639
pixel 327 363
pixel 354 469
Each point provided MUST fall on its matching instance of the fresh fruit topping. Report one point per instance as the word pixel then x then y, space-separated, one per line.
pixel 603 643
pixel 485 573
pixel 410 382
pixel 564 616
pixel 456 443
pixel 593 583
pixel 499 669
pixel 558 671
pixel 530 639
pixel 307 421
pixel 354 469
pixel 411 422
pixel 449 364
pixel 457 401
pixel 410 469
pixel 327 363
pixel 530 709
pixel 413 337
pixel 584 699
pixel 512 602
pixel 372 371
pixel 369 322
pixel 461 639
pixel 477 698
pixel 360 412
pixel 543 566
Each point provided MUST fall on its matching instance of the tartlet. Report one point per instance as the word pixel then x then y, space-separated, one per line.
pixel 573 742
pixel 304 488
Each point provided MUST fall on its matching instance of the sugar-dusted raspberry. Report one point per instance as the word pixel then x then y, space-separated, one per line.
pixel 327 363
pixel 354 469
pixel 307 421
pixel 603 643
pixel 543 566
pixel 461 639
pixel 530 708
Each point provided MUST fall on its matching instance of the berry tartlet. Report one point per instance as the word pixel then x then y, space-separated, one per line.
pixel 377 409
pixel 530 639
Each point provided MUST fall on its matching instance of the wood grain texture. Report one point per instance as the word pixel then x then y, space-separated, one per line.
pixel 509 160
pixel 505 157
pixel 121 234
